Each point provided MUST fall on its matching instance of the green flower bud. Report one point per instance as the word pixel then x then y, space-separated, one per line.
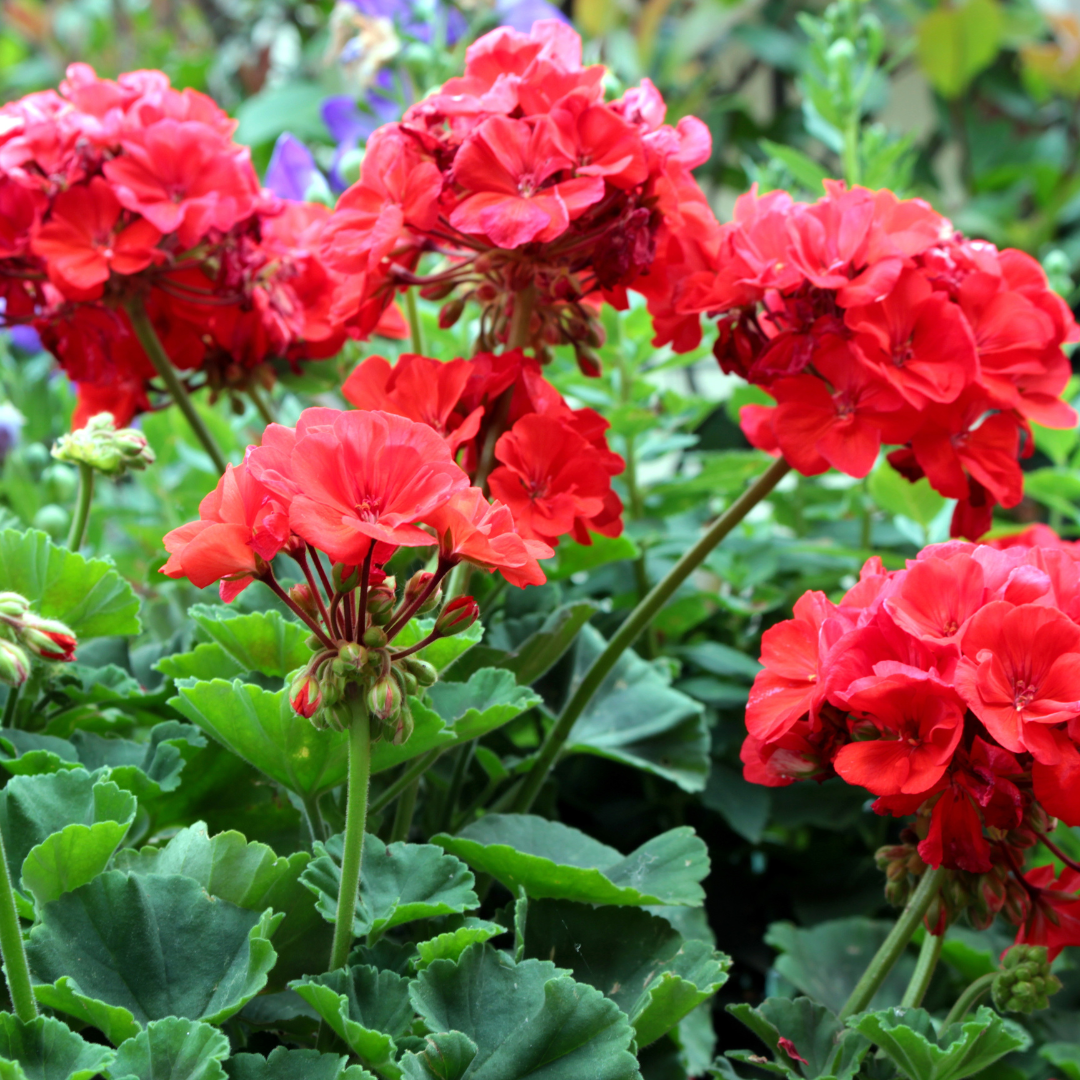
pixel 381 601
pixel 13 606
pixel 1025 982
pixel 375 637
pixel 14 663
pixel 47 638
pixel 423 672
pixel 385 698
pixel 101 446
pixel 351 657
pixel 345 578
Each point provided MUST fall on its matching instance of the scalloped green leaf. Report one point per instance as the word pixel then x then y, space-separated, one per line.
pixel 638 960
pixel 446 1056
pixel 208 660
pixel 89 595
pixel 146 769
pixel 33 808
pixel 27 753
pixel 551 860
pixel 366 1007
pixel 285 1064
pixel 443 652
pixel 126 949
pixel 260 726
pixel 399 883
pixel 47 1049
pixel 491 698
pixel 452 943
pixel 526 1019
pixel 172 1049
pixel 908 1038
pixel 250 875
pixel 70 858
pixel 263 641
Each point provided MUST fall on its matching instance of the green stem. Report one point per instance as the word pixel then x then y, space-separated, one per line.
pixel 635 623
pixel 924 971
pixel 314 819
pixel 11 706
pixel 11 946
pixel 852 170
pixel 894 945
pixel 415 331
pixel 403 814
pixel 355 821
pixel 405 779
pixel 969 997
pixel 463 759
pixel 82 507
pixel 155 351
pixel 262 406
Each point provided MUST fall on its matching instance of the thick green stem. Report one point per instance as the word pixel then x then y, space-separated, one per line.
pixel 11 946
pixel 635 623
pixel 11 706
pixel 355 821
pixel 77 534
pixel 417 769
pixel 403 813
pixel 924 971
pixel 415 332
pixel 969 997
pixel 894 945
pixel 147 335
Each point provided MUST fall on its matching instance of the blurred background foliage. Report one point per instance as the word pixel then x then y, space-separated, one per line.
pixel 972 105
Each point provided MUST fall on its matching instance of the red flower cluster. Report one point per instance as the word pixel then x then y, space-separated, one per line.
pixel 548 464
pixel 528 182
pixel 132 191
pixel 949 689
pixel 871 321
pixel 354 486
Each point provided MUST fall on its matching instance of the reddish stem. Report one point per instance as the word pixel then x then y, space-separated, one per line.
pixel 302 615
pixel 403 616
pixel 313 585
pixel 1072 864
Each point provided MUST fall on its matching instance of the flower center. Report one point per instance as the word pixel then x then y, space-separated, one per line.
pixel 1024 694
pixel 367 510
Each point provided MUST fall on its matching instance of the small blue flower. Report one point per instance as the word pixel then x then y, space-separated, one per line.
pixel 521 14
pixel 25 338
pixel 292 170
pixel 11 423
pixel 349 125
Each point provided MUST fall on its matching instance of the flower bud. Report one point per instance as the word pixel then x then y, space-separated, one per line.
pixel 1024 983
pixel 333 685
pixel 14 663
pixel 450 312
pixel 374 637
pixel 13 606
pixel 101 446
pixel 351 658
pixel 415 588
pixel 457 616
pixel 48 638
pixel 345 578
pixel 385 698
pixel 423 672
pixel 402 728
pixel 302 596
pixel 305 694
pixel 381 601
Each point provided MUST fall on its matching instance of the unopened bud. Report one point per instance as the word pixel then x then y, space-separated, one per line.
pixel 381 601
pixel 14 663
pixel 1025 982
pixel 48 638
pixel 402 727
pixel 333 686
pixel 351 657
pixel 374 637
pixel 450 312
pixel 423 672
pixel 457 616
pixel 302 596
pixel 416 586
pixel 305 694
pixel 385 698
pixel 13 606
pixel 345 578
pixel 101 446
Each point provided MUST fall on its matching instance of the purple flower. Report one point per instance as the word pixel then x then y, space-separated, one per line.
pixel 25 338
pixel 416 24
pixel 292 169
pixel 11 422
pixel 521 14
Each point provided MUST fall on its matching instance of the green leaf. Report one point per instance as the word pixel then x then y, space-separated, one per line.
pixel 399 883
pixel 366 1007
pixel 47 1049
pixel 146 769
pixel 260 726
pixel 918 501
pixel 284 1064
pixel 826 961
pixel 71 858
pixel 446 1056
pixel 206 661
pixel 89 595
pixel 33 808
pixel 261 641
pixel 744 806
pixel 805 170
pixel 451 944
pixel 292 106
pixel 26 753
pixel 540 651
pixel 127 949
pixel 718 659
pixel 636 718
pixel 443 652
pixel 490 698
pixel 1064 1056
pixel 955 43
pixel 527 1019
pixel 571 558
pixel 638 960
pixel 1056 488
pixel 908 1039
pixel 549 859
pixel 249 875
pixel 172 1049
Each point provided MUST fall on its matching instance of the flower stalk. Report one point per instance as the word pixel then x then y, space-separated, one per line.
pixel 635 624
pixel 929 954
pixel 969 998
pixel 84 499
pixel 16 969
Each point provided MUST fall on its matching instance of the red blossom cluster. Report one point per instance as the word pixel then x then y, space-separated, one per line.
pixel 951 690
pixel 871 321
pixel 543 198
pixel 550 465
pixel 114 193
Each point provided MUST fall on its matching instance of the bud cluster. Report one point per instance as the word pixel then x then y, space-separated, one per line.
pixel 104 447
pixel 23 633
pixel 1025 982
pixel 360 662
